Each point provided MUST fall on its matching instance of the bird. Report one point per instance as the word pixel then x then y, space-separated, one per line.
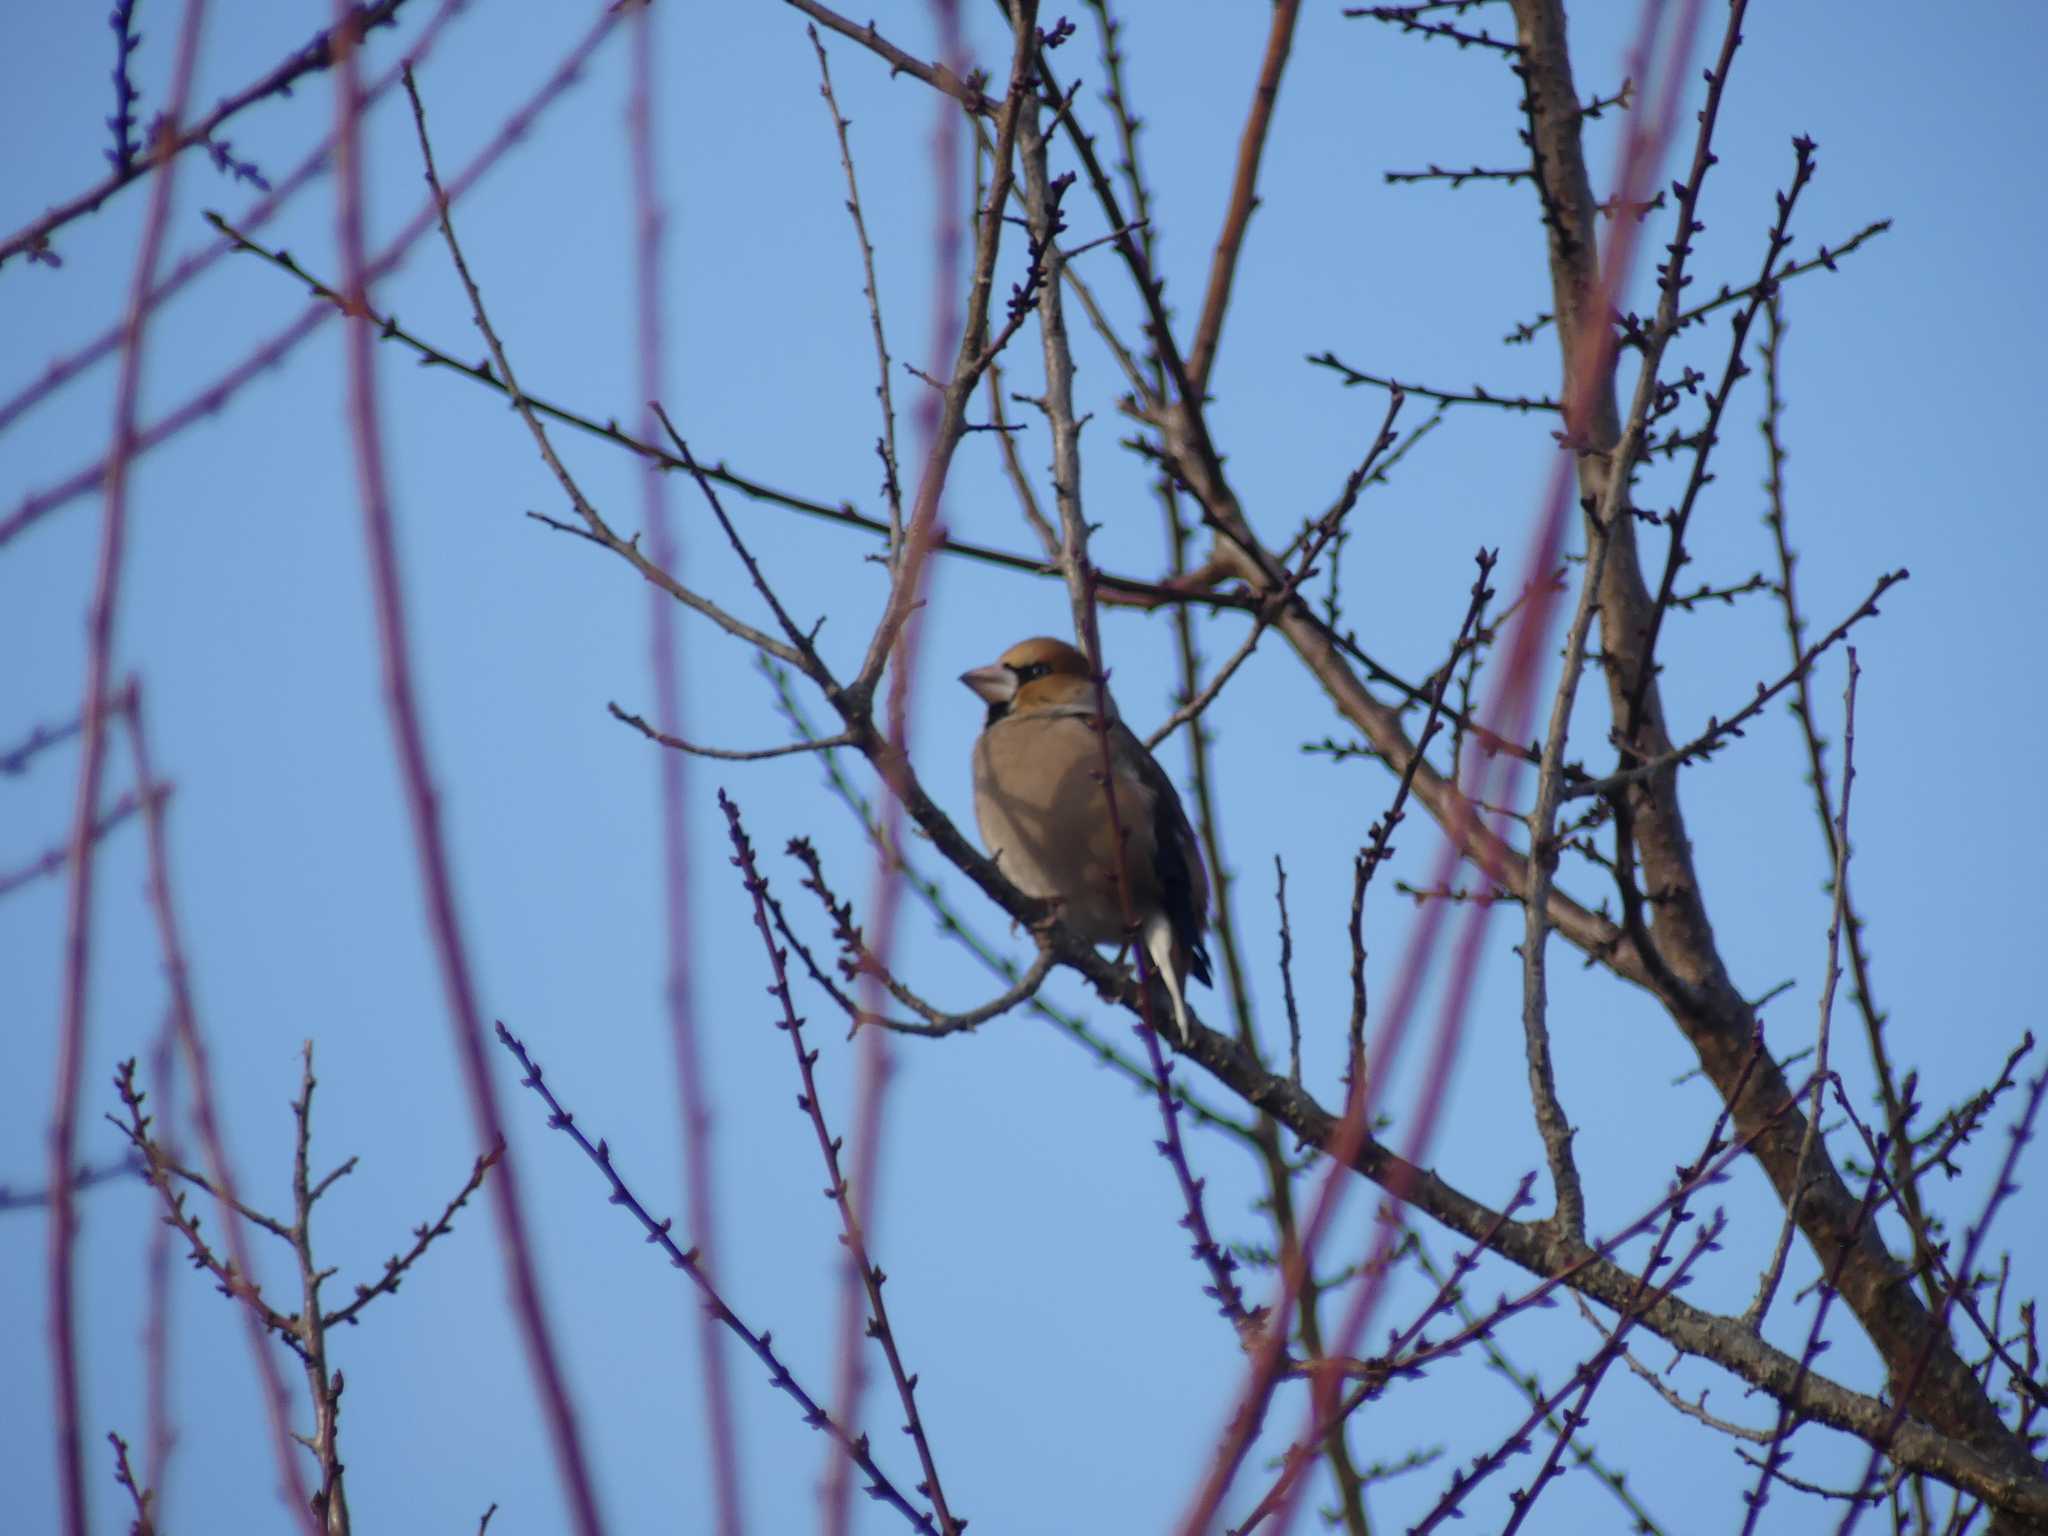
pixel 1039 801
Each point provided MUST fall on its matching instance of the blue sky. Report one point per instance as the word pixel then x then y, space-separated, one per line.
pixel 1073 1373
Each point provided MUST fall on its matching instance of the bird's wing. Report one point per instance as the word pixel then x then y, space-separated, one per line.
pixel 1183 882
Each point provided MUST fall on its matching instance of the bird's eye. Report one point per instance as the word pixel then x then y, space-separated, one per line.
pixel 1031 673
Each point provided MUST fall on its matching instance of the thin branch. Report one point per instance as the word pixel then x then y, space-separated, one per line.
pixel 862 962
pixel 316 163
pixel 184 1026
pixel 599 1153
pixel 851 1227
pixel 892 485
pixel 937 74
pixel 214 396
pixel 787 749
pixel 1718 730
pixel 323 1384
pixel 424 1235
pixel 1824 258
pixel 57 856
pixel 14 762
pixel 234 1278
pixel 1767 1285
pixel 356 22
pixel 1243 193
pixel 652 282
pixel 141 1500
pixel 88 1176
pixel 1326 529
pixel 1456 178
pixel 1478 395
pixel 424 814
pixel 1551 1121
pixel 68 1407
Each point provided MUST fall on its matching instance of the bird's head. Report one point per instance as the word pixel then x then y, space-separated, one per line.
pixel 1040 674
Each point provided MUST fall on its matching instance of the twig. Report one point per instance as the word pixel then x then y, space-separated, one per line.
pixel 851 1226
pixel 1243 193
pixel 1287 973
pixel 680 994
pixel 424 1235
pixel 1767 1285
pixel 940 74
pixel 122 158
pixel 862 963
pixel 15 760
pixel 723 754
pixel 210 399
pixel 423 812
pixel 140 1499
pixel 1456 178
pixel 1732 370
pixel 1719 730
pixel 315 163
pixel 355 22
pixel 1825 257
pixel 1325 529
pixel 1478 395
pixel 235 1279
pixel 87 1176
pixel 885 445
pixel 1552 1124
pixel 68 1412
pixel 184 1026
pixel 323 1384
pixel 56 857
pixel 1407 17
pixel 1817 770
pixel 855 1447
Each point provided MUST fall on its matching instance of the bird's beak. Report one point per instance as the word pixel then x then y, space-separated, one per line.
pixel 996 684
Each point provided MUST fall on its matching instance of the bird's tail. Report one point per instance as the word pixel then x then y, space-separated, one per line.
pixel 1170 959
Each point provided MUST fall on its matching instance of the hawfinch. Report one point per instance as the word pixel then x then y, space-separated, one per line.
pixel 1038 797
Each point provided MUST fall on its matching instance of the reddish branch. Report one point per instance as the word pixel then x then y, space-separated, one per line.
pixel 191 1041
pixel 69 1409
pixel 423 811
pixel 1243 193
pixel 663 642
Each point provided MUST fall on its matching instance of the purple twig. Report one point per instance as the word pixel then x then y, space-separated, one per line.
pixel 854 1236
pixel 761 1344
pixel 14 762
pixel 126 40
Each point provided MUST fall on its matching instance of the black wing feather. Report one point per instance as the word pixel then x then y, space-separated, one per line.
pixel 1173 841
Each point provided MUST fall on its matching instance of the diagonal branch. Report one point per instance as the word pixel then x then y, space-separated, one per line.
pixel 852 1234
pixel 1243 194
